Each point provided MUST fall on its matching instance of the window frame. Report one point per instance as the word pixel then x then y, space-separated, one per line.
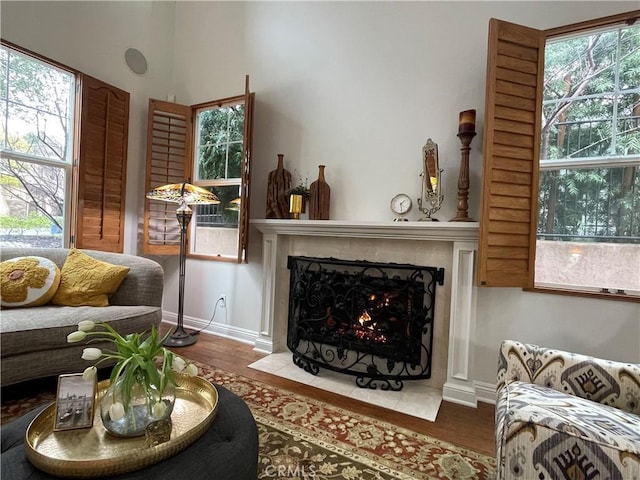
pixel 95 214
pixel 507 236
pixel 165 169
pixel 220 182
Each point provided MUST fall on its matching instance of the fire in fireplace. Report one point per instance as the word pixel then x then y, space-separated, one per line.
pixel 371 320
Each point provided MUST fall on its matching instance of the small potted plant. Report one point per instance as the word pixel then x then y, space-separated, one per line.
pixel 298 197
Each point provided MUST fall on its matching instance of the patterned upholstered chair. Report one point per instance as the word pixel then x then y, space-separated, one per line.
pixel 566 416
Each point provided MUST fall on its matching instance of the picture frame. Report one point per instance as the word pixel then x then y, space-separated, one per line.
pixel 75 402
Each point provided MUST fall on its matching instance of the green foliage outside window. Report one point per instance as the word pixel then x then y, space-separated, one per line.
pixel 19 225
pixel 220 143
pixel 598 203
pixel 591 122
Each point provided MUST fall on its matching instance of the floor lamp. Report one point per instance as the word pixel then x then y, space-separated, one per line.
pixel 184 194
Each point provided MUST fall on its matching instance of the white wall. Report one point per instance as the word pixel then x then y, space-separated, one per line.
pixel 358 87
pixel 92 37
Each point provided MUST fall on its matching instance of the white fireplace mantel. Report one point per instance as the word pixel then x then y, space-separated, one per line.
pixel 459 386
pixel 441 231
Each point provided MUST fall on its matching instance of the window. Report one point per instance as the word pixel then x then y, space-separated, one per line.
pixel 208 145
pixel 218 167
pixel 37 113
pixel 589 192
pixel 566 171
pixel 64 151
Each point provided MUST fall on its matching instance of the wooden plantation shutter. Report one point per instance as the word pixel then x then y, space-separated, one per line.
pixel 515 69
pixel 243 241
pixel 102 167
pixel 169 138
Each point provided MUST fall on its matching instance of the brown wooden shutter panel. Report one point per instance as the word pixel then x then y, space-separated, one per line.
pixel 169 138
pixel 102 168
pixel 243 241
pixel 515 69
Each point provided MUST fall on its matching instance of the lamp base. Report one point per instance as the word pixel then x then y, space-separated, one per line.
pixel 179 338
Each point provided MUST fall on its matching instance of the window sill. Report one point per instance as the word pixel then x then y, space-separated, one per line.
pixel 583 293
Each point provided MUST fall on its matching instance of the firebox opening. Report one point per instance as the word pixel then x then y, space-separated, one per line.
pixel 362 313
pixel 357 316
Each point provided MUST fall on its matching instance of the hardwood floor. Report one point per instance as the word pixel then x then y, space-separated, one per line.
pixel 464 426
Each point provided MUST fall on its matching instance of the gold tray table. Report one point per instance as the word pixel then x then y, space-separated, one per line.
pixel 92 452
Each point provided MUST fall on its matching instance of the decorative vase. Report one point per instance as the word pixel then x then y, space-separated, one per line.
pixel 278 186
pixel 319 197
pixel 295 205
pixel 144 406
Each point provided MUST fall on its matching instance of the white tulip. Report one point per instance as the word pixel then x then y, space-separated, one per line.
pixel 178 364
pixel 192 370
pixel 116 411
pixel 159 409
pixel 89 374
pixel 86 325
pixel 91 353
pixel 76 336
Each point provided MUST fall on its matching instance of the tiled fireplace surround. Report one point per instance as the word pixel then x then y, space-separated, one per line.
pixel 451 245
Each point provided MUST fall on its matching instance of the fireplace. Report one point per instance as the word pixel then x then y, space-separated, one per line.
pixel 367 319
pixel 451 245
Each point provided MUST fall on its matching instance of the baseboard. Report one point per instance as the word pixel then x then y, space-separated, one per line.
pixel 263 346
pixel 228 331
pixel 485 392
pixel 481 392
pixel 459 394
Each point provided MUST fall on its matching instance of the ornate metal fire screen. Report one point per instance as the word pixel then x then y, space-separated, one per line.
pixel 371 320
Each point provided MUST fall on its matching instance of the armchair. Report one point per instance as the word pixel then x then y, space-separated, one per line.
pixel 561 415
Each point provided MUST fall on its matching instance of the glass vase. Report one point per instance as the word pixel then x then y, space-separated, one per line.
pixel 145 405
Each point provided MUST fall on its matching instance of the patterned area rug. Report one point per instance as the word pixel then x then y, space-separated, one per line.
pixel 301 438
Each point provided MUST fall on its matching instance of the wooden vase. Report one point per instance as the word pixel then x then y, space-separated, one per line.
pixel 278 186
pixel 319 197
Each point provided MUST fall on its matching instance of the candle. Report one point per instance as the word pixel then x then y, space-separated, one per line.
pixel 467 121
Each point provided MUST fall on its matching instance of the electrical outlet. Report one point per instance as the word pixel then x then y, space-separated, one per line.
pixel 222 298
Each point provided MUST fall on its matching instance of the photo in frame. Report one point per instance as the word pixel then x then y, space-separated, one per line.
pixel 75 402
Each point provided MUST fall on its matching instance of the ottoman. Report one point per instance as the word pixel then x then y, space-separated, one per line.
pixel 227 451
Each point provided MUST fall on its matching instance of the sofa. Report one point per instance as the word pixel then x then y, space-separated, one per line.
pixel 562 415
pixel 34 339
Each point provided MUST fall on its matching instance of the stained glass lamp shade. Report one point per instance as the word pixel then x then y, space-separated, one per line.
pixel 184 194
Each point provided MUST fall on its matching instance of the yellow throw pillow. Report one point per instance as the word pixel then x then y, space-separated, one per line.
pixel 87 281
pixel 28 281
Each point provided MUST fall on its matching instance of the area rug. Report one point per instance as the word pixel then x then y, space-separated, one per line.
pixel 301 438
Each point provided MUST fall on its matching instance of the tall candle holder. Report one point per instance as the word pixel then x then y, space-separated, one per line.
pixel 466 132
